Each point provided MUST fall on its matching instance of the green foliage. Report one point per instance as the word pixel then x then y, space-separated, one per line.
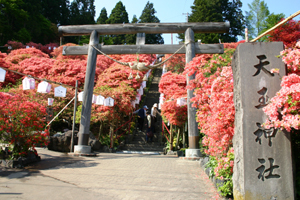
pixel 226 188
pixel 148 16
pixel 212 163
pixel 118 15
pixel 102 17
pixel 218 11
pixel 256 18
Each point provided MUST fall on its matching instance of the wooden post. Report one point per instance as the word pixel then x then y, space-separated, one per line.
pixel 140 38
pixel 178 135
pixel 171 138
pixel 74 117
pixel 84 129
pixel 192 124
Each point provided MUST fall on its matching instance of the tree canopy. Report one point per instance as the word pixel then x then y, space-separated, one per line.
pixel 218 11
pixel 148 16
pixel 118 15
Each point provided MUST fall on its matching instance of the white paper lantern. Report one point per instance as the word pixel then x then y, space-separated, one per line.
pixel 141 90
pixel 137 100
pixel 133 104
pixel 94 98
pixel 144 84
pixel 60 91
pixel 44 87
pixel 28 83
pixel 80 96
pixel 109 102
pixel 2 75
pixel 49 48
pixel 181 102
pixel 50 101
pixel 139 96
pixel 27 47
pixel 159 106
pixel 100 100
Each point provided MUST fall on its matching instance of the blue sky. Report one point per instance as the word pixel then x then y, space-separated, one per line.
pixel 175 10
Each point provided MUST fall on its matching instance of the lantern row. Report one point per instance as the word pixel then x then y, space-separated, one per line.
pixel 60 91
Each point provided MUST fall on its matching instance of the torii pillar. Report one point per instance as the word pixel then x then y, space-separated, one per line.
pixel 84 129
pixel 193 150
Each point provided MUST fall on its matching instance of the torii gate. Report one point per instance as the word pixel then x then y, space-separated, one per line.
pixel 190 50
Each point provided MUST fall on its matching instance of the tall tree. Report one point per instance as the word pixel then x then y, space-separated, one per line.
pixel 82 12
pixel 102 17
pixel 12 18
pixel 218 11
pixel 271 21
pixel 57 11
pixel 118 15
pixel 131 38
pixel 256 18
pixel 148 16
pixel 40 28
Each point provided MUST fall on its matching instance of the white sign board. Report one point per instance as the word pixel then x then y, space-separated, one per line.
pixel 44 87
pixel 60 91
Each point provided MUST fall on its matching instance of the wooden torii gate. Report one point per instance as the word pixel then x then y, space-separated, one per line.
pixel 190 50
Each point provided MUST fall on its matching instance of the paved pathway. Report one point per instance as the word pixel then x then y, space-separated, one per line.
pixel 107 177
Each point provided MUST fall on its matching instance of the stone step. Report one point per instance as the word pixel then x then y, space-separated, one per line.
pixel 144 147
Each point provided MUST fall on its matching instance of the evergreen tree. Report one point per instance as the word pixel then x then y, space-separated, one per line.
pixel 218 11
pixel 256 18
pixel 102 17
pixel 40 29
pixel 149 17
pixel 131 38
pixel 118 15
pixel 12 18
pixel 82 12
pixel 271 21
pixel 57 11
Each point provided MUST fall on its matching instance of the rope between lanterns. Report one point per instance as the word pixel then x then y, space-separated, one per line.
pixel 140 65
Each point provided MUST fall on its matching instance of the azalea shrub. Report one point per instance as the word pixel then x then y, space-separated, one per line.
pixel 173 86
pixel 213 90
pixel 283 109
pixel 214 100
pixel 288 33
pixel 22 124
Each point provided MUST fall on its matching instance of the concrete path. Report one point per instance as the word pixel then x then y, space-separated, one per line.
pixel 107 177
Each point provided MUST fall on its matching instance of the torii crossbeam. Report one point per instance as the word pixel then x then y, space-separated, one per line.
pixel 190 50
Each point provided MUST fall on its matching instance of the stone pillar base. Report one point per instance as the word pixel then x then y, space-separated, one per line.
pixel 192 153
pixel 82 149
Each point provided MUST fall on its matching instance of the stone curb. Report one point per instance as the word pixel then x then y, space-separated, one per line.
pixel 83 154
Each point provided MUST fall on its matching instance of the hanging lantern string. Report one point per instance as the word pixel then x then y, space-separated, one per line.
pixel 43 79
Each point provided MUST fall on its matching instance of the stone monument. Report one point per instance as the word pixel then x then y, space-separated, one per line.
pixel 263 158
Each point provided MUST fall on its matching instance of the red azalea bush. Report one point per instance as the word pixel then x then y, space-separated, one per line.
pixel 10 77
pixel 288 33
pixel 18 55
pixel 175 64
pixel 283 111
pixel 214 100
pixel 22 124
pixel 173 86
